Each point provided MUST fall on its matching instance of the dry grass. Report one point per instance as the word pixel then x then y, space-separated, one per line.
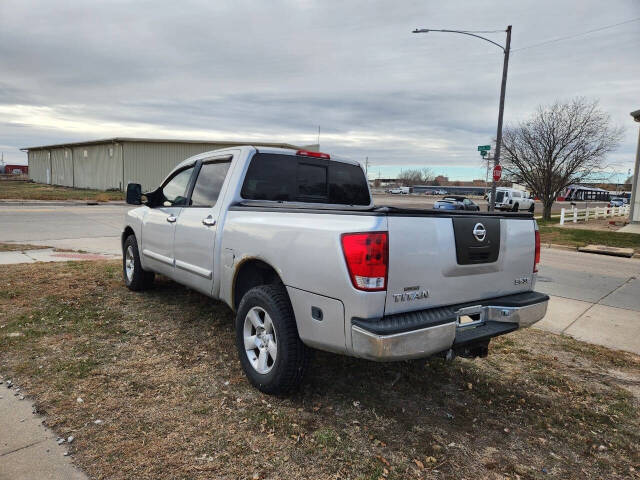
pixel 159 369
pixel 26 190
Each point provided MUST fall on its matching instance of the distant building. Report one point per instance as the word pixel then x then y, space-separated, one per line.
pixel 114 162
pixel 442 180
pixel 9 168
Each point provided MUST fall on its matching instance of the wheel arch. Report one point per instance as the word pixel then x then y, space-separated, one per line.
pixel 252 272
pixel 128 230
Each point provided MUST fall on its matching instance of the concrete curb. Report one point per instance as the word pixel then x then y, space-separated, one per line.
pixel 556 246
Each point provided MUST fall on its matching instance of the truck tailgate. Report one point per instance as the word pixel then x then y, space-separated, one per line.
pixel 437 260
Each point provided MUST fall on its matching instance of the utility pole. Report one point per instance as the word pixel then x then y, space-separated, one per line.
pixel 503 87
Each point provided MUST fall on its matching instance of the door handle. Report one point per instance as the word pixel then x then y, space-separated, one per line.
pixel 208 221
pixel 171 219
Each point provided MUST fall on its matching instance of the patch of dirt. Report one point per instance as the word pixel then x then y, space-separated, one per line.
pixel 159 369
pixel 600 224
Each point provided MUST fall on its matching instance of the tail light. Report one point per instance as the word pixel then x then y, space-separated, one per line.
pixel 367 257
pixel 307 153
pixel 536 261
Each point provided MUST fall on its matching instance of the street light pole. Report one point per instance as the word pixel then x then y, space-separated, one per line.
pixel 503 88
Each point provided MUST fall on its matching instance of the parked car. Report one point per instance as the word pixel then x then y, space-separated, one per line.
pixel 456 203
pixel 292 242
pixel 400 191
pixel 513 200
pixel 617 202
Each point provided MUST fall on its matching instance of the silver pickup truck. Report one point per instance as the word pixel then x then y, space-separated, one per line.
pixel 292 242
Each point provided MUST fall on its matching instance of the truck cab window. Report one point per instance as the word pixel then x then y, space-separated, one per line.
pixel 289 178
pixel 312 181
pixel 174 191
pixel 209 183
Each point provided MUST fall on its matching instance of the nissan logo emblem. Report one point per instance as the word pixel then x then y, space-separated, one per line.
pixel 479 232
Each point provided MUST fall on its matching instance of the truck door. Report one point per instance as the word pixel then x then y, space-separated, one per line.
pixel 158 225
pixel 196 228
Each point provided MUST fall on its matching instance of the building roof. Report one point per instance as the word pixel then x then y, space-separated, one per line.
pixel 159 140
pixel 636 115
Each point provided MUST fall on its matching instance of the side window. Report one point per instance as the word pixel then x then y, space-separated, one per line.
pixel 209 182
pixel 515 194
pixel 174 191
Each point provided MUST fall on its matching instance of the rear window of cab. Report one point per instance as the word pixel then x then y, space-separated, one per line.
pixel 294 178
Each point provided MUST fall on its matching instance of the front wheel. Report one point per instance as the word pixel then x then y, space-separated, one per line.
pixel 516 207
pixel 532 208
pixel 273 357
pixel 135 278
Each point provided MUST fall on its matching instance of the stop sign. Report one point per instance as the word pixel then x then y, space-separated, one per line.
pixel 497 172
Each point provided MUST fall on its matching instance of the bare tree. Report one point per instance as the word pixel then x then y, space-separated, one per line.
pixel 415 176
pixel 561 144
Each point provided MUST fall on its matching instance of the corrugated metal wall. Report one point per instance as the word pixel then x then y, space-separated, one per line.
pixel 98 166
pixel 149 163
pixel 61 167
pixel 39 166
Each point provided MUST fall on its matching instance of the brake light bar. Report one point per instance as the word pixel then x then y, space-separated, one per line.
pixel 307 153
pixel 367 257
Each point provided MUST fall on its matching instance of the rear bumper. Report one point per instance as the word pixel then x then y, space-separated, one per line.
pixel 427 332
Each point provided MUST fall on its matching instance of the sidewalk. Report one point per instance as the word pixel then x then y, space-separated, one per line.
pixel 631 228
pixel 49 255
pixel 29 450
pixel 612 327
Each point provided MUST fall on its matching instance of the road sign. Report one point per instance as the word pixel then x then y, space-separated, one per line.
pixel 484 147
pixel 497 172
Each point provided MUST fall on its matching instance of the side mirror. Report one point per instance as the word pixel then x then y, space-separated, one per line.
pixel 134 194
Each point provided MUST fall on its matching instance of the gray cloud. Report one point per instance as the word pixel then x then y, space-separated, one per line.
pixel 278 69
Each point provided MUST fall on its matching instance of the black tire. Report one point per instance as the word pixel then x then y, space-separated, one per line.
pixel 532 208
pixel 292 358
pixel 515 207
pixel 140 279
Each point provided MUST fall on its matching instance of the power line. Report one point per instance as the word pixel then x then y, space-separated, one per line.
pixel 560 39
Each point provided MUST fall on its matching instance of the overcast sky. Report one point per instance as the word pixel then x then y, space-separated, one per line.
pixel 275 70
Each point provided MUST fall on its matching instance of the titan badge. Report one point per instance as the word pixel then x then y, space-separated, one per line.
pixel 410 294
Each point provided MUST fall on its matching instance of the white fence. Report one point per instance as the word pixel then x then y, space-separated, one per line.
pixel 584 214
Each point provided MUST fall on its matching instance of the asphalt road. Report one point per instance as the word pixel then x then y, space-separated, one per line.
pixel 90 228
pixel 427 201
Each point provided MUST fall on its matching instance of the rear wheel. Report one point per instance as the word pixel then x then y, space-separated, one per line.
pixel 516 207
pixel 532 208
pixel 271 353
pixel 135 278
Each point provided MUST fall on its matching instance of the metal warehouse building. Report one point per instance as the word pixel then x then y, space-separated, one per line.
pixel 113 163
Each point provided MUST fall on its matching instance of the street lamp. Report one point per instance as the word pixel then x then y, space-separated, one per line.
pixel 505 50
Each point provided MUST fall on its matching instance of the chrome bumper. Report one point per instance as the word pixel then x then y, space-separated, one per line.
pixel 427 341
